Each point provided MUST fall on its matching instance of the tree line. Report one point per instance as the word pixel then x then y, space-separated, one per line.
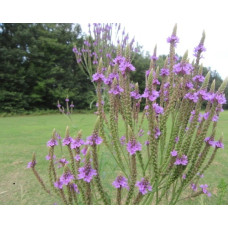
pixel 38 67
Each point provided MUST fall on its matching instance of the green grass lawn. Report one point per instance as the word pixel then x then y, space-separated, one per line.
pixel 21 136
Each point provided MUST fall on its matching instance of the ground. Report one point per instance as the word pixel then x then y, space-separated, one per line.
pixel 21 136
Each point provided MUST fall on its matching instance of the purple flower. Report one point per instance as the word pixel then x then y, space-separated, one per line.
pixel 154 57
pixel 62 162
pixel 147 142
pixel 200 48
pixel 75 50
pixel 173 40
pixel 219 144
pixel 164 72
pixel 126 67
pixel 58 184
pixel 76 143
pixel 148 72
pixel 120 182
pixel 133 146
pixel 97 77
pixel 194 187
pixel 157 132
pixel 184 176
pixel 144 186
pixel 86 173
pixel 221 99
pixel 194 97
pixel 183 68
pixel 158 109
pixel 67 141
pixel 119 59
pixel 198 78
pixel 77 157
pixel 181 160
pixel 176 139
pixel 84 150
pixel 166 85
pixel 58 105
pixel 116 90
pixel 151 95
pixel 66 177
pixel 48 157
pixel 189 85
pixel 174 153
pixel 31 164
pixel 67 99
pixel 204 189
pixel 215 118
pixel 52 142
pixel 156 82
pixel 74 187
pixel 122 140
pixel 135 95
pixel 94 139
pixel 210 141
pixel 72 106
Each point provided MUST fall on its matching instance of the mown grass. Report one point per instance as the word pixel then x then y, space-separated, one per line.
pixel 21 136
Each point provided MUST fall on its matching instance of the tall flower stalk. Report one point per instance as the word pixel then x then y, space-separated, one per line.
pixel 174 154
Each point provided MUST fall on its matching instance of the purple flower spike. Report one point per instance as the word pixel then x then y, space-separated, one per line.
pixel 135 95
pixel 62 162
pixel 58 184
pixel 144 186
pixel 173 40
pixel 158 109
pixel 52 142
pixel 194 187
pixel 67 177
pixel 31 164
pixel 48 157
pixel 210 141
pixel 126 67
pixel 74 187
pixel 98 77
pixel 198 78
pixel 67 141
pixel 181 160
pixel 174 153
pixel 77 157
pixel 183 68
pixel 119 59
pixel 157 132
pixel 151 95
pixel 133 147
pixel 121 182
pixel 198 49
pixel 204 189
pixel 93 140
pixel 86 173
pixel 154 57
pixel 76 143
pixel 164 72
pixel 116 90
pixel 219 144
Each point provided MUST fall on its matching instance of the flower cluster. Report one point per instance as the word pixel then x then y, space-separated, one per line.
pixel 121 182
pixel 133 146
pixel 144 186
